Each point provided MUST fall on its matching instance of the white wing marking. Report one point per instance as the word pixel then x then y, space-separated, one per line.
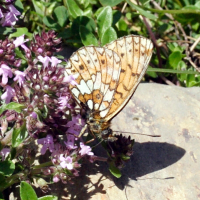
pixel 74 58
pixel 90 84
pixel 90 104
pixel 97 83
pixel 83 88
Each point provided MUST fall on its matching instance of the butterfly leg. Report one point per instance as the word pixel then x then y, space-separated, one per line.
pixel 83 130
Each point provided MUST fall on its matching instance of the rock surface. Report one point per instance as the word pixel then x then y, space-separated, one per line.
pixel 166 167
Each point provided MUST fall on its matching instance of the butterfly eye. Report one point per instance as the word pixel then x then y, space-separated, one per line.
pixel 91 120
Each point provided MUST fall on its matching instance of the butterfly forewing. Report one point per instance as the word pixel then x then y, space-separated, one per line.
pixel 135 53
pixel 96 71
pixel 108 76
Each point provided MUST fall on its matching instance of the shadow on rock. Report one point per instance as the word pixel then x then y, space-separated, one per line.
pixel 147 158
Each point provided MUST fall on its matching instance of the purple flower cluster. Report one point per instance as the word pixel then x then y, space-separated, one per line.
pixel 48 111
pixel 37 105
pixel 65 158
pixel 8 13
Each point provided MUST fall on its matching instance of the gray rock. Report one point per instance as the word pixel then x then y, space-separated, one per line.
pixel 160 168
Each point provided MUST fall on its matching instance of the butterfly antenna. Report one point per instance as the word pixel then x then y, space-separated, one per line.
pixel 111 148
pixel 139 134
pixel 97 143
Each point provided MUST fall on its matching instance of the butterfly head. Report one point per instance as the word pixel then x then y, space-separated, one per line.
pixel 97 125
pixel 101 129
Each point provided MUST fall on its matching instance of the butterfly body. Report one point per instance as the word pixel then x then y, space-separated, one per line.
pixel 107 78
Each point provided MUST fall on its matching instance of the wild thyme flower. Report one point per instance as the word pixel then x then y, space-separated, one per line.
pixel 7 53
pixel 4 153
pixel 19 77
pixel 38 88
pixel 66 162
pixel 46 44
pixel 120 150
pixel 64 102
pixel 8 13
pixel 6 73
pixel 56 178
pixel 85 150
pixel 47 144
pixel 8 94
pixel 75 125
pixel 19 41
pixel 48 112
pixel 4 127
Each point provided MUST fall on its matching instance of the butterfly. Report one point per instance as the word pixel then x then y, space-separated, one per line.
pixel 107 77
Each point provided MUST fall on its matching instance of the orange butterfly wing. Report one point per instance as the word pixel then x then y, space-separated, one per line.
pixel 108 76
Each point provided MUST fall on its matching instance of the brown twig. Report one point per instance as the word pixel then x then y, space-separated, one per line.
pixel 153 38
pixel 195 44
pixel 124 6
pixel 168 82
pixel 192 63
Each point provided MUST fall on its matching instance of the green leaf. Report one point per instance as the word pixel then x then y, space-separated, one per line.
pixel 7 167
pixel 61 15
pixel 51 23
pixel 3 182
pixel 66 33
pixel 19 32
pixel 144 1
pixel 104 20
pixel 19 135
pixel 124 157
pixel 12 106
pixel 50 6
pixel 39 8
pixel 87 37
pixel 13 152
pixel 116 16
pixel 88 12
pixel 84 21
pixel 152 74
pixel 141 11
pixel 110 3
pixel 108 36
pixel 162 70
pixel 174 58
pixel 2 177
pixel 83 3
pixel 96 14
pixel 114 171
pixel 6 30
pixel 74 41
pixel 19 5
pixel 48 197
pixel 190 17
pixel 73 8
pixel 122 25
pixel 190 80
pixel 175 47
pixel 129 16
pixel 197 4
pixel 19 53
pixel 27 192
